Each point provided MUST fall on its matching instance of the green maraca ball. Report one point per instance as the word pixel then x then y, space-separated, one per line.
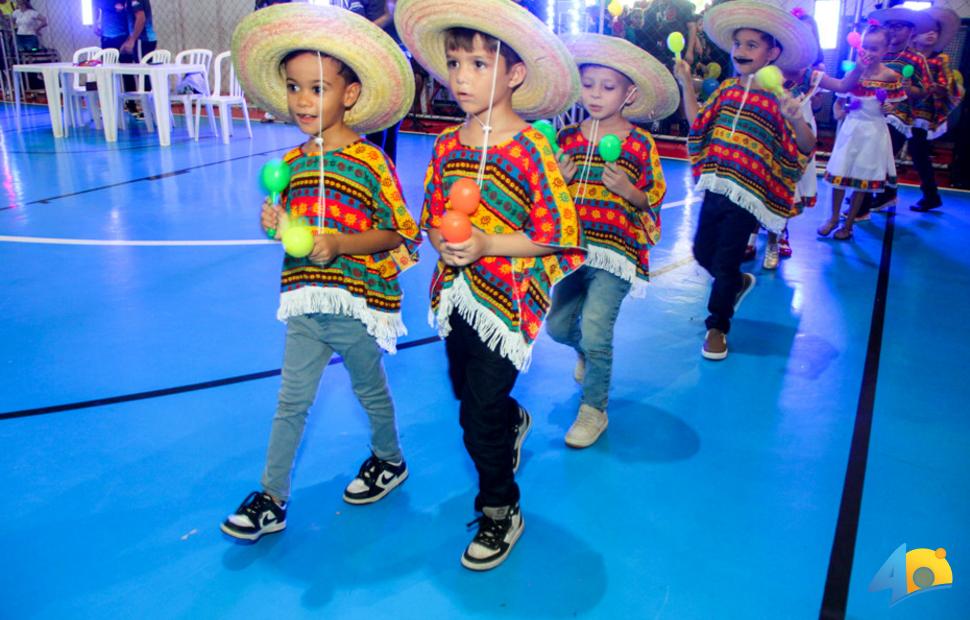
pixel 908 71
pixel 275 176
pixel 549 131
pixel 610 147
pixel 298 241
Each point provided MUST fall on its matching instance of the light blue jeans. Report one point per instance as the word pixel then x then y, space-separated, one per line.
pixel 310 342
pixel 585 305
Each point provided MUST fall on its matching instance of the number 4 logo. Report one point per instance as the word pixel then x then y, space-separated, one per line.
pixel 919 570
pixel 892 575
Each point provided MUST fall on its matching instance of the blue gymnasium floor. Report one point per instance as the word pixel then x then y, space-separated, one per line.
pixel 715 493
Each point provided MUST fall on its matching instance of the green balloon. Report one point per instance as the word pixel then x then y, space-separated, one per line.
pixel 610 148
pixel 298 241
pixel 549 131
pixel 908 71
pixel 275 176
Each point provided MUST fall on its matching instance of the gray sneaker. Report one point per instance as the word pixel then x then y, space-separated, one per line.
pixel 587 428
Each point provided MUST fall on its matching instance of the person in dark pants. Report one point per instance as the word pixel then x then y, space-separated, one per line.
pixel 111 23
pixel 381 13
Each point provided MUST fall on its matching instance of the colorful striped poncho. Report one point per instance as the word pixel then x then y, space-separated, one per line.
pixel 903 115
pixel 937 108
pixel 362 193
pixel 505 299
pixel 618 235
pixel 743 148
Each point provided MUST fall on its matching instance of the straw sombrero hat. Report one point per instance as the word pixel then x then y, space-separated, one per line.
pixel 921 20
pixel 949 23
pixel 552 82
pixel 799 48
pixel 265 37
pixel 657 96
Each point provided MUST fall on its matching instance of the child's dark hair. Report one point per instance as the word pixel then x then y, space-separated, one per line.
pixel 585 66
pixel 766 37
pixel 343 69
pixel 464 39
pixel 877 29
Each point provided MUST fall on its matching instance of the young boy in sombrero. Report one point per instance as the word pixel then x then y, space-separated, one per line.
pixel 490 292
pixel 748 148
pixel 619 207
pixel 942 97
pixel 336 76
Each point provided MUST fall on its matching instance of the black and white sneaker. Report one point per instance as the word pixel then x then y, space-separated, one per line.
pixel 521 430
pixel 257 515
pixel 498 529
pixel 375 479
pixel 747 283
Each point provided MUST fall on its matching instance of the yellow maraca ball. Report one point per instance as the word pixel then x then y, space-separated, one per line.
pixel 769 78
pixel 713 70
pixel 615 8
pixel 298 241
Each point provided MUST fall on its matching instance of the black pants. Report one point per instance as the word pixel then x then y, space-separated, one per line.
pixel 482 381
pixel 141 48
pixel 387 140
pixel 919 150
pixel 722 235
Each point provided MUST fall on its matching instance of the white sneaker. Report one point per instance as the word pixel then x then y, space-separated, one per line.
pixel 771 257
pixel 579 372
pixel 587 428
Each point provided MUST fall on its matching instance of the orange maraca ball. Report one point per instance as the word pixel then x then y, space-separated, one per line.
pixel 464 196
pixel 455 227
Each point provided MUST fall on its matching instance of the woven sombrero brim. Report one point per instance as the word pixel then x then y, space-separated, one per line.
pixel 265 37
pixel 552 81
pixel 799 48
pixel 921 21
pixel 949 23
pixel 658 95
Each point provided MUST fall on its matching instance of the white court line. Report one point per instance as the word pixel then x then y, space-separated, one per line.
pixel 126 243
pixel 199 243
pixel 669 205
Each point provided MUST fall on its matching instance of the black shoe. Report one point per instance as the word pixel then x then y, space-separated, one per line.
pixel 747 283
pixel 375 479
pixel 498 529
pixel 257 515
pixel 521 430
pixel 925 204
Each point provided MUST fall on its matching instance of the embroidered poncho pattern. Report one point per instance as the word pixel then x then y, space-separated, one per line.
pixel 756 163
pixel 505 299
pixel 618 236
pixel 362 193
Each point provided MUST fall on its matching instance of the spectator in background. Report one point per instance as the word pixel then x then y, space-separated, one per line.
pixel 29 24
pixel 6 8
pixel 141 31
pixel 111 23
pixel 381 12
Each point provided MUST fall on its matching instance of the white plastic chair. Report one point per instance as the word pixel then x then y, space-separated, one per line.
pixel 75 91
pixel 195 57
pixel 225 102
pixel 143 95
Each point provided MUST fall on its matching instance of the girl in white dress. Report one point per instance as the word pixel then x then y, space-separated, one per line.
pixel 862 157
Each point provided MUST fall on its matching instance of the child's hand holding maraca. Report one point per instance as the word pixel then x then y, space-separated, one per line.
pixel 325 248
pixel 683 74
pixel 567 167
pixel 465 252
pixel 617 181
pixel 270 218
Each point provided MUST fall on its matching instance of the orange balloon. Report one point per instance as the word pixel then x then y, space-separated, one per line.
pixel 455 227
pixel 465 196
